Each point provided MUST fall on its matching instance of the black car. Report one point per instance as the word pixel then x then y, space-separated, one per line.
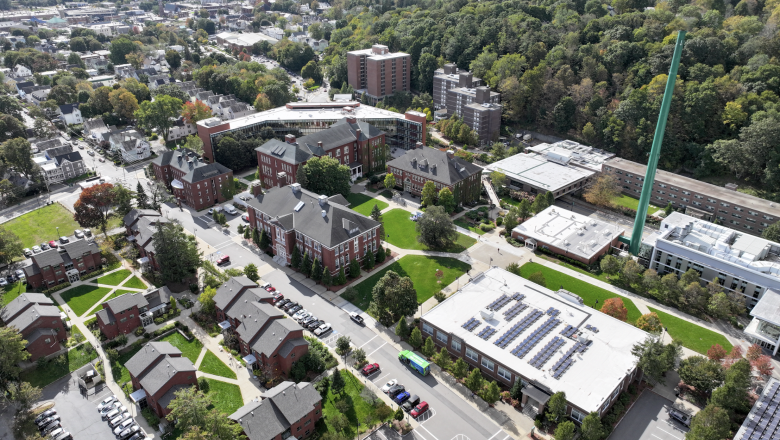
pixel 287 307
pixel 45 414
pixel 411 403
pixel 282 302
pixel 293 310
pixel 395 390
pixel 137 436
pixel 314 324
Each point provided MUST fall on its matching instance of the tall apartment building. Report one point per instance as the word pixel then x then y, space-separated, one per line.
pixel 736 210
pixel 377 72
pixel 459 93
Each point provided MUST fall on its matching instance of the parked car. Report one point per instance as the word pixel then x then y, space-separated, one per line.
pixel 3 282
pixel 28 252
pixel 64 436
pixel 137 436
pixel 50 427
pixel 106 402
pixel 245 217
pixel 121 418
pixel 57 432
pixel 47 420
pixel 315 325
pixel 278 298
pixel 357 318
pixel 264 285
pixel 88 232
pixel 111 414
pixel 121 426
pixel 110 407
pixel 395 390
pixel 230 209
pixel 299 313
pixel 78 233
pixel 216 208
pixel 282 302
pixel 390 383
pixel 53 244
pixel 680 416
pixel 45 414
pixel 309 319
pixel 370 369
pixel 37 249
pixel 419 409
pixel 289 306
pixel 131 430
pixel 223 259
pixel 44 246
pixel 410 403
pixel 294 309
pixel 20 275
pixel 321 330
pixel 64 239
pixel 402 397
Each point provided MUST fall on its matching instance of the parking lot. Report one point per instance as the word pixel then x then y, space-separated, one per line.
pixel 648 419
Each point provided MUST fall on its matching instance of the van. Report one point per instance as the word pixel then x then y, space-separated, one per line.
pixel 230 209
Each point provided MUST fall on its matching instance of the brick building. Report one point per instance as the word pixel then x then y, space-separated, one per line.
pixel 459 93
pixel 125 313
pixel 157 371
pixel 320 225
pixel 449 77
pixel 193 182
pixel 267 340
pixel 67 263
pixel 377 72
pixel 420 165
pixel 38 319
pixel 140 225
pixel 357 144
pixel 288 410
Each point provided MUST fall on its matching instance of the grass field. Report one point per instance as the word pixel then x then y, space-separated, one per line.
pixel 363 204
pixel 588 292
pixel 118 370
pixel 135 283
pixel 190 349
pixel 226 397
pixel 632 203
pixel 465 225
pixel 213 365
pixel 11 291
pixel 510 201
pixel 83 297
pixel 359 409
pixel 695 337
pixel 41 225
pixel 114 278
pixel 422 271
pixel 401 232
pixel 118 293
pixel 59 366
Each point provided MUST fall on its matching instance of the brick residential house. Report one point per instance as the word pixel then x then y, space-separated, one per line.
pixel 193 182
pixel 444 169
pixel 68 263
pixel 354 143
pixel 38 320
pixel 267 340
pixel 157 371
pixel 141 224
pixel 125 313
pixel 286 410
pixel 321 225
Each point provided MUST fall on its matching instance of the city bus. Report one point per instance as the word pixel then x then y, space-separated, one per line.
pixel 419 364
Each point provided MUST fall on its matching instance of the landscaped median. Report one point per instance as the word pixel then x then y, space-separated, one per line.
pixel 402 232
pixel 692 336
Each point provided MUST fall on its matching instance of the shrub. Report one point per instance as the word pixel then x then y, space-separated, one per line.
pixel 487 227
pixel 499 220
pixel 203 384
pixel 91 323
pixel 139 331
pixel 158 321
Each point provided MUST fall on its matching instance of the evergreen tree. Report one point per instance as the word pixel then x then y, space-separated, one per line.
pixel 402 328
pixel 380 255
pixel 256 236
pixel 429 349
pixel 399 414
pixel 354 268
pixel 443 359
pixel 316 270
pixel 460 369
pixel 516 391
pixel 337 383
pixel 415 338
pixel 524 209
pixel 550 198
pixel 342 279
pixel 306 264
pixel 492 393
pixel 295 259
pixel 247 233
pixel 368 262
pixel 265 240
pixel 141 199
pixel 474 380
pixel 327 279
pixel 376 214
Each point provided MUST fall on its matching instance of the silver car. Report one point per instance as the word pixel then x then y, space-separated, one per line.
pixel 119 419
pixel 129 431
pixel 122 426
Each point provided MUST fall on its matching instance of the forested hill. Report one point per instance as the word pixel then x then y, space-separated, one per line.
pixel 571 67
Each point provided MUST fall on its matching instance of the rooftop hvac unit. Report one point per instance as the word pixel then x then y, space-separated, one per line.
pixel 487 315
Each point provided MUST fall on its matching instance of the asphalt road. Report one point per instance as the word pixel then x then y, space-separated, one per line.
pixel 450 416
pixel 648 419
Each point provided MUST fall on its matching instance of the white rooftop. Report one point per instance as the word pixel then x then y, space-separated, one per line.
pixel 573 153
pixel 539 172
pixel 593 375
pixel 578 234
pixel 246 39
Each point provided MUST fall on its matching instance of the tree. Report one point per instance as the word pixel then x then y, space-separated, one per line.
pixel 125 103
pixel 380 253
pixel 93 206
pixel 206 299
pixel 250 270
pixel 442 359
pixel 566 429
pixel 376 214
pixel 173 58
pixel 701 373
pixel 460 369
pixel 13 346
pixel 763 365
pixel 605 189
pixel 611 265
pixel 649 322
pixel 136 59
pixel 312 70
pixel 306 264
pixel 492 393
pixel 402 328
pixel 772 232
pixel 668 210
pixel 189 407
pixel 123 198
pixel 11 247
pixel 711 423
pixel 337 383
pixel 325 175
pixel 474 381
pixel 316 270
pixel 176 251
pixel 343 345
pixel 359 355
pixel 193 112
pixel 160 114
pixel 591 427
pixel 426 66
pixel 615 308
pixel 435 228
pixel 141 199
pixel 655 358
pixel 540 204
pixel 556 407
pixel 716 353
pixel 194 433
pixel 327 278
pixel 393 297
pixel 733 395
pixel 17 153
pixel 428 196
pixel 342 279
pixel 399 414
pixel 415 338
pixel 428 349
pixel 120 48
pixel 389 181
pixel 369 260
pixel 295 258
pixel 171 89
pixel 447 200
pixel 499 180
pixel 262 103
pixel 538 278
pixel 354 268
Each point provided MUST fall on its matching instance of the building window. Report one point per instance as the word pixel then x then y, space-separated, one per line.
pixel 504 373
pixel 427 328
pixel 487 363
pixel 576 415
pixel 455 344
pixel 441 337
pixel 471 354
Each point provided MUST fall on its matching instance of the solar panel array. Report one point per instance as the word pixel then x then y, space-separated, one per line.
pixel 592 327
pixel 552 311
pixel 279 149
pixel 535 337
pixel 765 423
pixel 518 296
pixel 569 331
pixel 471 324
pixel 500 302
pixel 566 360
pixel 487 332
pixel 515 310
pixel 518 328
pixel 543 356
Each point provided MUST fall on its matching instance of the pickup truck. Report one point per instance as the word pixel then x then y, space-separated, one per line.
pixel 357 318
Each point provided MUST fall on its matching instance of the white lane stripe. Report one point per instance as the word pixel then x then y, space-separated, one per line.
pixel 429 432
pixel 368 341
pixel 377 349
pixel 380 379
pixel 499 432
pixel 670 434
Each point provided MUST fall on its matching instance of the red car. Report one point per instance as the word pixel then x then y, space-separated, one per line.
pixel 370 369
pixel 270 289
pixel 53 244
pixel 278 298
pixel 419 409
pixel 245 218
pixel 223 259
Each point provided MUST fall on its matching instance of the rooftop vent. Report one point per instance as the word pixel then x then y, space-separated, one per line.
pixel 295 187
pixel 323 200
pixel 324 213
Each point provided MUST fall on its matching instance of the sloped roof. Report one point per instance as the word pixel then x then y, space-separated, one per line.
pixel 22 302
pixel 280 407
pixel 446 170
pixel 232 287
pixel 272 336
pixel 74 156
pixel 148 355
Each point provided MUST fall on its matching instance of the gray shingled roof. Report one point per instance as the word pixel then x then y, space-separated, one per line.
pixel 136 213
pixel 74 156
pixel 22 302
pixel 154 379
pixel 280 408
pixel 105 316
pixel 32 313
pixel 148 355
pixel 227 292
pixel 169 395
pixel 52 257
pixel 289 153
pixel 270 338
pixel 329 230
pixel 127 301
pixel 245 299
pixel 255 316
pixel 39 332
pixel 205 171
pixel 448 171
pixel 81 247
pixel 290 345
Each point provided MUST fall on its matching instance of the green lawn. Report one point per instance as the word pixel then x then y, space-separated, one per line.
pixel 695 337
pixel 83 297
pixel 588 292
pixel 114 278
pixel 11 291
pixel 213 365
pixel 59 366
pixel 422 271
pixel 465 225
pixel 190 349
pixel 632 203
pixel 363 204
pixel 510 201
pixel 135 283
pixel 118 293
pixel 359 410
pixel 226 397
pixel 118 370
pixel 401 232
pixel 41 225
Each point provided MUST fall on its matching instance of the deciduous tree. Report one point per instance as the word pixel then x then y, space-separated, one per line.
pixel 649 322
pixel 711 423
pixel 325 175
pixel 605 189
pixel 250 270
pixel 701 373
pixel 415 338
pixel 13 346
pixel 435 228
pixel 17 153
pixel 193 112
pixel 566 429
pixel 492 393
pixel 393 297
pixel 591 427
pixel 389 181
pixel 10 247
pixel 556 407
pixel 474 381
pixel 538 278
pixel 716 353
pixel 655 358
pixel 615 308
pixel 93 206
pixel 429 193
pixel 160 114
pixel 447 200
pixel 206 299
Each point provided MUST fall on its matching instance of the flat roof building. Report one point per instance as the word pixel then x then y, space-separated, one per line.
pixel 764 329
pixel 573 153
pixel 567 233
pixel 459 93
pixel 377 72
pixel 762 423
pixel 538 174
pixel 512 329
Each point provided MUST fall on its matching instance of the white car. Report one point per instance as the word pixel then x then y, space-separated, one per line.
pixel 302 317
pixel 78 233
pixel 391 383
pixel 324 328
pixel 3 282
pixel 105 402
pixel 124 425
pixel 20 274
pixel 37 249
pixel 299 313
pixel 230 209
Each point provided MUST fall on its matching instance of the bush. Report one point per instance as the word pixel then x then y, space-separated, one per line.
pixel 153 137
pixel 487 227
pixel 150 417
pixel 203 384
pixel 139 331
pixel 158 320
pixel 91 323
pixel 513 242
pixel 499 220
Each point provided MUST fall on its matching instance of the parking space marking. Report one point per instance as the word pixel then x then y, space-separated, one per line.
pixel 379 380
pixel 376 349
pixel 499 432
pixel 428 415
pixel 369 341
pixel 101 396
pixel 429 432
pixel 670 434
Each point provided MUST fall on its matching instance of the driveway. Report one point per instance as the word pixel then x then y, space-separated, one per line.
pixel 648 420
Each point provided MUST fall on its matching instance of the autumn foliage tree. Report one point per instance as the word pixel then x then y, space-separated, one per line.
pixel 716 353
pixel 753 352
pixel 93 206
pixel 193 112
pixel 615 308
pixel 763 365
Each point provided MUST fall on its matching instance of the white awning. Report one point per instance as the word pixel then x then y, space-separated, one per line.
pixel 138 396
pixel 177 184
pixel 143 260
pixel 224 325
pixel 250 359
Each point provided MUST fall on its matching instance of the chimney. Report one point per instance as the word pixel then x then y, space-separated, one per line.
pixel 323 201
pixel 351 119
pixel 483 95
pixel 319 144
pixel 450 154
pixel 450 69
pixel 358 132
pixel 179 157
pixel 464 79
pixel 324 213
pixel 296 188
pixel 289 138
pixel 419 145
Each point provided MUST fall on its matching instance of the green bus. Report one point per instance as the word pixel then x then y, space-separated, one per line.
pixel 419 364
